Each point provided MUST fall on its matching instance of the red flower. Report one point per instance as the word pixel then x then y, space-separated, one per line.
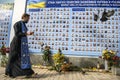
pixel 116 58
pixel 7 50
pixel 4 51
pixel 113 58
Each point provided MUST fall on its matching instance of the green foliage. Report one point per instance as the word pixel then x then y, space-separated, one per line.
pixel 3 50
pixel 3 56
pixel 4 60
pixel 58 59
pixel 47 55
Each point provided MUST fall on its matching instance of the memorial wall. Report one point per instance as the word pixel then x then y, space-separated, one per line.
pixel 77 27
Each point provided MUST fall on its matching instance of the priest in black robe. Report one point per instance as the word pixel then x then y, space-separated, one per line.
pixel 19 57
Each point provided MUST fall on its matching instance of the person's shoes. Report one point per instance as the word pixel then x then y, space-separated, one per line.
pixel 33 75
pixel 6 74
pixel 9 75
pixel 12 76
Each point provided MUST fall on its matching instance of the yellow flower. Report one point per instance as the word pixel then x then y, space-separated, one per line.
pixel 58 58
pixel 105 51
pixel 113 52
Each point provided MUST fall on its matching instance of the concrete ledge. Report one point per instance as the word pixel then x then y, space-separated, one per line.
pixel 81 61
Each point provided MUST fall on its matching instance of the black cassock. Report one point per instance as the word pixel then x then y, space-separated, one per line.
pixel 19 57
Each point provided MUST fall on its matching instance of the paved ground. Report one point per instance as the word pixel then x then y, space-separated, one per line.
pixel 44 74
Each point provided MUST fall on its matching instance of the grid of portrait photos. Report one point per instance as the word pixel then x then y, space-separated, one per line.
pixel 75 30
pixel 5 23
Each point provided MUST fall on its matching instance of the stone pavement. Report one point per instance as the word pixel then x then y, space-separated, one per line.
pixel 44 74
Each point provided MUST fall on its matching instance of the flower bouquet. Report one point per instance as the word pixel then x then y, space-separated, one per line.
pixel 116 65
pixel 4 57
pixel 108 54
pixel 111 57
pixel 115 61
pixel 47 55
pixel 58 59
pixel 4 50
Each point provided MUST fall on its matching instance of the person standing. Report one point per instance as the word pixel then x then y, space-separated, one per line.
pixel 19 57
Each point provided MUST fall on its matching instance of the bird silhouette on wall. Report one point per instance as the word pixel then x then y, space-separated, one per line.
pixel 105 15
pixel 96 16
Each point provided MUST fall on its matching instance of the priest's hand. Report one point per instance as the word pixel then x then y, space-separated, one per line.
pixel 30 33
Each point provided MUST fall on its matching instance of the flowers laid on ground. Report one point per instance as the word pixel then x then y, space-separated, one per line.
pixel 58 59
pixel 47 55
pixel 111 57
pixel 3 52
